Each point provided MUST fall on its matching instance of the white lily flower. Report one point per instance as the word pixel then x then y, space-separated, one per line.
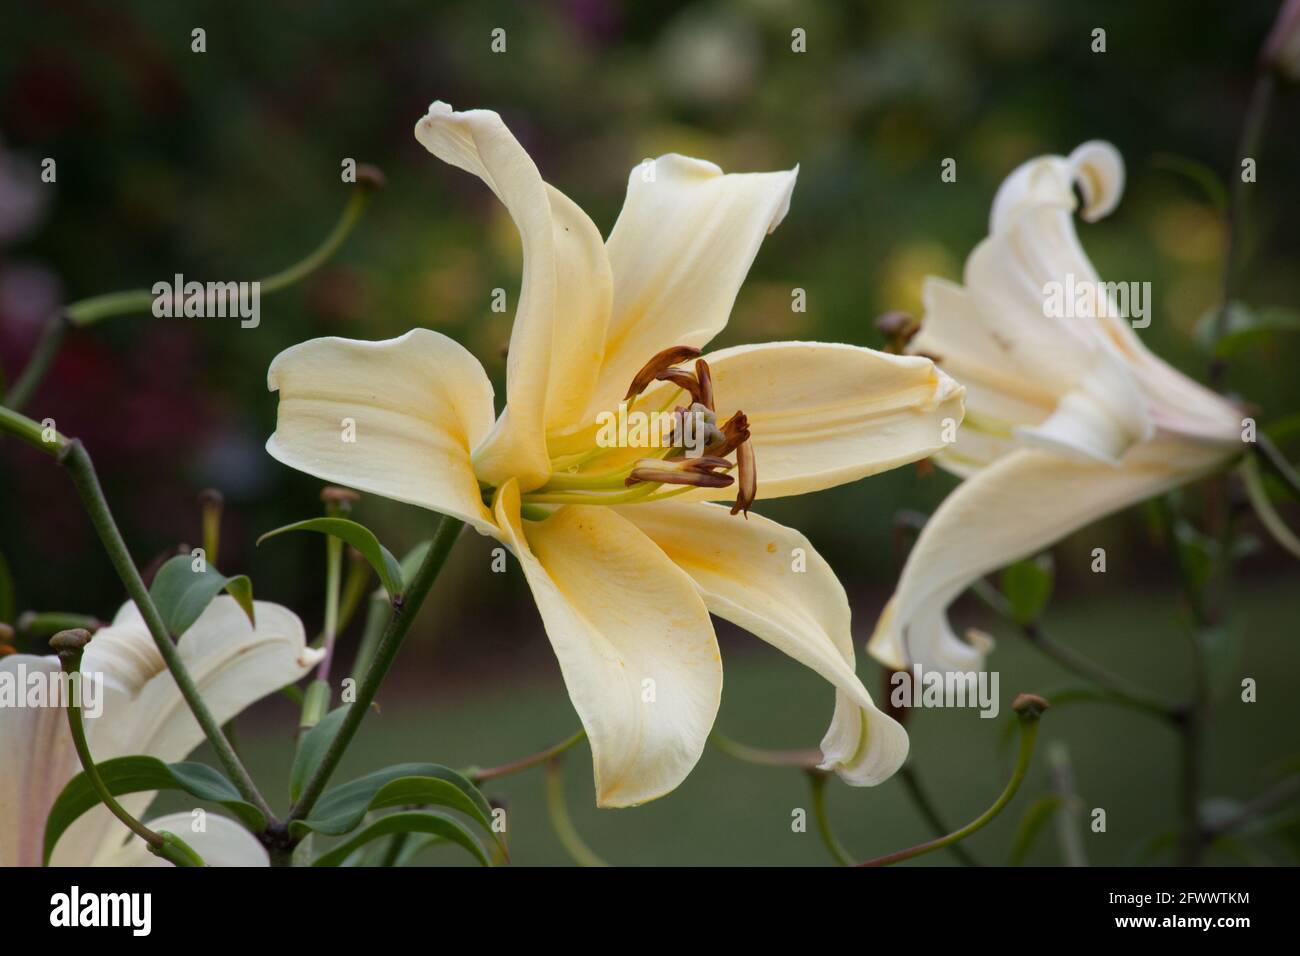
pixel 1070 418
pixel 143 713
pixel 624 579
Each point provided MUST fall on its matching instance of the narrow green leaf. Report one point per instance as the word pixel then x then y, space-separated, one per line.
pixel 1027 586
pixel 1245 328
pixel 138 774
pixel 182 593
pixel 439 824
pixel 311 749
pixel 361 538
pixel 342 809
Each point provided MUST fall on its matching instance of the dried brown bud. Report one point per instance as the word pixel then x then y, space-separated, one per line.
pixel 1030 705
pixel 332 494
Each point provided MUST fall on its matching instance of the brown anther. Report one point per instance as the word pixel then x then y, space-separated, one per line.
pixel 682 471
pixel 682 379
pixel 705 378
pixel 748 487
pixel 734 432
pixel 6 633
pixel 661 361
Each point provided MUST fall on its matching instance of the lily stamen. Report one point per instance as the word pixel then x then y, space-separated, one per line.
pixel 660 362
pixel 735 431
pixel 698 472
pixel 748 479
pixel 705 378
pixel 685 380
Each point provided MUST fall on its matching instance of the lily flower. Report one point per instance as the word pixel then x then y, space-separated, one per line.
pixel 233 664
pixel 1071 416
pixel 624 554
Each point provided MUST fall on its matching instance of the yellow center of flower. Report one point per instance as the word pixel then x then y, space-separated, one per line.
pixel 692 451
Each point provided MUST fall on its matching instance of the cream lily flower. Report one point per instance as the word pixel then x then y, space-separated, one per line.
pixel 628 558
pixel 143 712
pixel 1070 418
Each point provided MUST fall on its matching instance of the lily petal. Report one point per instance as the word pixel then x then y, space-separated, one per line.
pixel 222 842
pixel 1020 504
pixel 564 298
pixel 744 571
pixel 143 711
pixel 821 415
pixel 36 760
pixel 680 250
pixel 1096 167
pixel 233 664
pixel 417 404
pixel 634 640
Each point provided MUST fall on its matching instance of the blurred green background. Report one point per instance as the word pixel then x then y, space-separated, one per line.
pixel 225 164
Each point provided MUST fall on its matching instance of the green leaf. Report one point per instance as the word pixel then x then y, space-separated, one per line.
pixel 414 558
pixel 1245 328
pixel 361 538
pixel 342 809
pixel 138 774
pixel 311 749
pixel 1032 822
pixel 1027 586
pixel 182 594
pixel 439 824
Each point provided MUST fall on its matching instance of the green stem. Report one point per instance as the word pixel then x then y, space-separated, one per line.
pixel 69 645
pixel 804 759
pixel 1111 684
pixel 377 612
pixel 399 623
pixel 33 433
pixel 1115 686
pixel 72 455
pixel 38 366
pixel 912 782
pixel 1029 709
pixel 88 311
pixel 558 811
pixel 817 782
pixel 1277 463
pixel 1252 131
pixel 75 459
pixel 523 763
pixel 1278 795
